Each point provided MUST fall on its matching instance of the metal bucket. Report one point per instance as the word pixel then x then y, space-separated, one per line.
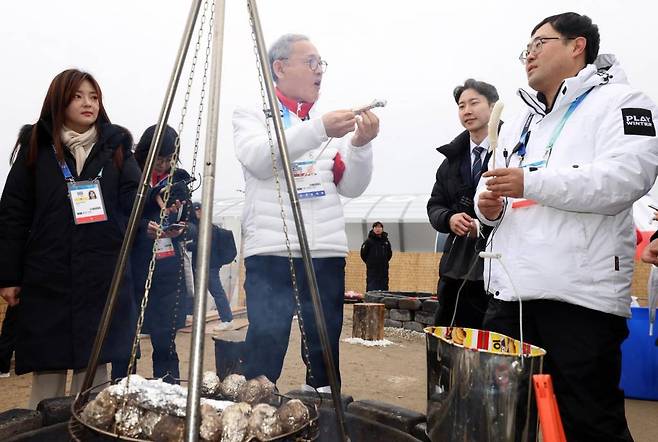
pixel 479 389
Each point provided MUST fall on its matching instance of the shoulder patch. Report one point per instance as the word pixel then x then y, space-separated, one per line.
pixel 638 121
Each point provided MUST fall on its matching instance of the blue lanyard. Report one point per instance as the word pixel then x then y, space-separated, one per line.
pixel 68 176
pixel 286 116
pixel 523 140
pixel 565 117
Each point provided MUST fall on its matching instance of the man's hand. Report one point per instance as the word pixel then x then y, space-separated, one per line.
pixel 367 128
pixel 10 294
pixel 461 224
pixel 505 182
pixel 650 253
pixel 338 123
pixel 490 205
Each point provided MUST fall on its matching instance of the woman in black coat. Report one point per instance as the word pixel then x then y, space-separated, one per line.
pixel 165 311
pixel 55 266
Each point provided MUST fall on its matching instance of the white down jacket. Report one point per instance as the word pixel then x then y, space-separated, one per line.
pixel 577 243
pixel 323 217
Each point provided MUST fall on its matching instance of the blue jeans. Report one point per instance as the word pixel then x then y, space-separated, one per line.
pixel 271 306
pixel 219 295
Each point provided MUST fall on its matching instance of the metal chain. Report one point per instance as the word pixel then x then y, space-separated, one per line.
pixel 269 113
pixel 188 208
pixel 163 214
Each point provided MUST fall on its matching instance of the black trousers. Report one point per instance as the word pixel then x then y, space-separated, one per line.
pixel 583 357
pixel 376 279
pixel 473 302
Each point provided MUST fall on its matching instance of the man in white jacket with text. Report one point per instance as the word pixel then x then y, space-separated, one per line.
pixel 559 198
pixel 323 172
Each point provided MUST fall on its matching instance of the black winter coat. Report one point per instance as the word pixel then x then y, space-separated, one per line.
pixel 166 305
pixel 376 253
pixel 64 270
pixel 453 193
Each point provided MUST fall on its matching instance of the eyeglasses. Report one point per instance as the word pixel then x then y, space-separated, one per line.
pixel 314 63
pixel 537 45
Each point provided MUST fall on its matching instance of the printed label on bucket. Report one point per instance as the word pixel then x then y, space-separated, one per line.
pixel 483 340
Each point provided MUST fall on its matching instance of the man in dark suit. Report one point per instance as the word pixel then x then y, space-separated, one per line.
pixel 450 209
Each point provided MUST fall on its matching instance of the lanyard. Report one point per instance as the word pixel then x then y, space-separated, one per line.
pixel 286 117
pixel 287 123
pixel 565 117
pixel 68 176
pixel 523 139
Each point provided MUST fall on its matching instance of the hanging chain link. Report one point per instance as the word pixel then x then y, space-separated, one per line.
pixel 269 114
pixel 163 210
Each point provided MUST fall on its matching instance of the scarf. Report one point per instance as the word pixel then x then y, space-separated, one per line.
pixel 300 109
pixel 79 144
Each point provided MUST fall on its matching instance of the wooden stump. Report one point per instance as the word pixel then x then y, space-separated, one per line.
pixel 368 321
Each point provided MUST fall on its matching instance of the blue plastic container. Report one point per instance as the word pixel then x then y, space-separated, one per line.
pixel 639 369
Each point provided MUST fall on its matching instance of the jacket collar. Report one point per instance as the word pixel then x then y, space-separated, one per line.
pixel 456 147
pixel 604 70
pixel 300 109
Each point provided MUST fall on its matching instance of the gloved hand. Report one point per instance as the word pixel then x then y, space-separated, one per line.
pixel 179 191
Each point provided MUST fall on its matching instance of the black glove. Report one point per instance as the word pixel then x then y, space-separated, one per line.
pixel 179 191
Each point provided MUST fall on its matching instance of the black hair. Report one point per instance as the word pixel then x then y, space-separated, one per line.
pixel 572 25
pixel 377 223
pixel 167 147
pixel 485 89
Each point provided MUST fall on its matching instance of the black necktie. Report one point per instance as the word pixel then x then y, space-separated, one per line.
pixel 476 171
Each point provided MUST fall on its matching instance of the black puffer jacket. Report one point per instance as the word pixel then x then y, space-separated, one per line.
pixel 376 253
pixel 64 270
pixel 453 193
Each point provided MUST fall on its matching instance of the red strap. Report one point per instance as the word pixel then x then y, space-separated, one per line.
pixel 300 109
pixel 338 169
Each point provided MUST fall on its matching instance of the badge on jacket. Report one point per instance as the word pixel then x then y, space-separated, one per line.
pixel 638 121
pixel 86 202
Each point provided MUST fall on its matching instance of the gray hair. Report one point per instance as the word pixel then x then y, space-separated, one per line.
pixel 281 48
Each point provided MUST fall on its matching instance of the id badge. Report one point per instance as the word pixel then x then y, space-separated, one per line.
pixel 307 180
pixel 86 202
pixel 164 248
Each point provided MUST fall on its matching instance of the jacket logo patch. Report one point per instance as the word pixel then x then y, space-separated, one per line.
pixel 638 121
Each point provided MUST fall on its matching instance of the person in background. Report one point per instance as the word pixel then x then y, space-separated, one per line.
pixel 165 311
pixel 58 253
pixel 376 253
pixel 222 252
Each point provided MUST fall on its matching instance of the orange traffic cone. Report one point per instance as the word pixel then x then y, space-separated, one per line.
pixel 549 415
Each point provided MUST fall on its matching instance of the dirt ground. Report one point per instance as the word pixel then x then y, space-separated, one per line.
pixel 393 374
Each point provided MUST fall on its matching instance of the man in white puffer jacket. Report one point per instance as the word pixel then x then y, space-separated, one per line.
pixel 560 197
pixel 324 168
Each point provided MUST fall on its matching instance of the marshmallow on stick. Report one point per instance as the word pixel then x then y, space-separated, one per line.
pixel 494 122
